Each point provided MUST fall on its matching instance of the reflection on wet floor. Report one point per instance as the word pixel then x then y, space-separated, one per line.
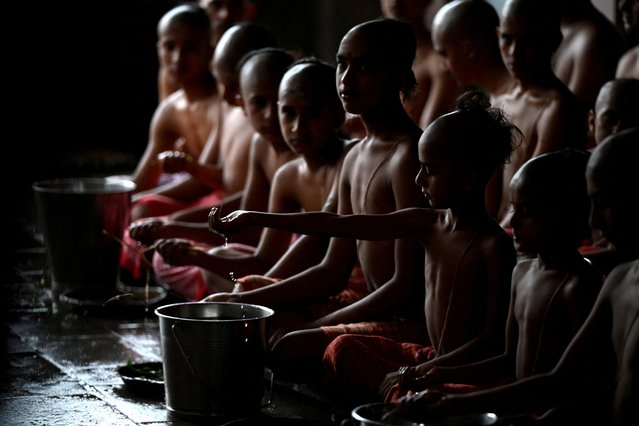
pixel 61 362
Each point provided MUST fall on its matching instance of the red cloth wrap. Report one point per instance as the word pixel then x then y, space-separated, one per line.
pixel 360 362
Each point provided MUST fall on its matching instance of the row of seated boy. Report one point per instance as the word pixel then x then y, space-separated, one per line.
pixel 453 254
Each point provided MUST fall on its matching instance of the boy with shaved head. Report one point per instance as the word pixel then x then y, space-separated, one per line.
pixel 463 33
pixel 540 104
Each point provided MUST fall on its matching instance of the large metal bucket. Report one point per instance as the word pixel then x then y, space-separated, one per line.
pixel 82 220
pixel 214 357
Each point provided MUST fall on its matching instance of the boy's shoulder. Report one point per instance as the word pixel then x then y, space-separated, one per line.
pixel 290 170
pixel 494 240
pixel 625 272
pixel 174 100
pixel 582 279
pixel 621 286
pixel 356 143
pixel 350 143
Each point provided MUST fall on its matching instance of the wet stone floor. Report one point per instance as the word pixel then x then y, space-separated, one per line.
pixel 60 363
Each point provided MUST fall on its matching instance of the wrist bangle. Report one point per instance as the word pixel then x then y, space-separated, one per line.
pixel 401 374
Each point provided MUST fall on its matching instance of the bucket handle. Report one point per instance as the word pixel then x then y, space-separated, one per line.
pixel 204 384
pixel 271 380
pixel 207 385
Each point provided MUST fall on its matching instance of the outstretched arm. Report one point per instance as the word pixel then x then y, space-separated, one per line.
pixel 399 224
pixel 150 230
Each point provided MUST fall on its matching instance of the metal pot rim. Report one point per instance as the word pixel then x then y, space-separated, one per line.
pixel 267 312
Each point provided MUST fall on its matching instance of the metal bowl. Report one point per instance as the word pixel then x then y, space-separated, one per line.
pixel 384 414
pixel 114 303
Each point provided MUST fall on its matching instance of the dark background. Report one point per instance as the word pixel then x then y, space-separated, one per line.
pixel 83 75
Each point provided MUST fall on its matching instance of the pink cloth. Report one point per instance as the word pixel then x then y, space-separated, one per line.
pixel 133 257
pixel 159 207
pixel 188 281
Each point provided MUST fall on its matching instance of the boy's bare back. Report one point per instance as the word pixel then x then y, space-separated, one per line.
pixel 589 51
pixel 622 292
pixel 436 89
pixel 234 144
pixel 440 86
pixel 234 147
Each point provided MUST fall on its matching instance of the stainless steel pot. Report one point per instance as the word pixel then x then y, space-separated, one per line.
pixel 214 357
pixel 82 220
pixel 383 414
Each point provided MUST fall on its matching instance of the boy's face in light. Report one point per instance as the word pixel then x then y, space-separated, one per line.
pixel 437 176
pixel 526 47
pixel 309 114
pixel 363 78
pixel 452 52
pixel 531 221
pixel 185 53
pixel 259 91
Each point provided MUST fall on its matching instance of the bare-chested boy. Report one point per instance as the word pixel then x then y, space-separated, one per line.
pixel 602 359
pixel 436 89
pixel 374 63
pixel 310 115
pixel 540 105
pixel 628 12
pixel 552 294
pixel 190 114
pixel 463 33
pixel 589 51
pixel 614 111
pixel 223 167
pixel 468 263
pixel 260 74
pixel 180 209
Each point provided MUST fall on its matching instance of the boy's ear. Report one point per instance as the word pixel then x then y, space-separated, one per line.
pixel 468 178
pixel 239 101
pixel 468 48
pixel 591 121
pixel 250 11
pixel 211 51
pixel 338 119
